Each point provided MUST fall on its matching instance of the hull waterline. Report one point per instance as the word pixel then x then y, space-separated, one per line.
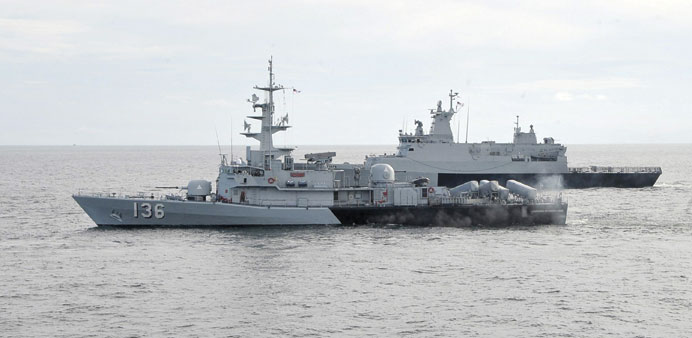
pixel 120 212
pixel 569 180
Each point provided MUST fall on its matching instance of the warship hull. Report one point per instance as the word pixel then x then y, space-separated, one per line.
pixel 572 180
pixel 110 211
pixel 457 215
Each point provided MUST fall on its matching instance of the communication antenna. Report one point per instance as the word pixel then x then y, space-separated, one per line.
pixel 468 110
pixel 517 123
pixel 218 143
pixel 217 139
pixel 458 128
pixel 231 139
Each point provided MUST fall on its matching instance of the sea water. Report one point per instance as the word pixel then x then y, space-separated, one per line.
pixel 621 266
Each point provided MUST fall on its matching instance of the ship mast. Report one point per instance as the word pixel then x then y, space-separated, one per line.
pixel 451 100
pixel 517 129
pixel 266 143
pixel 441 130
pixel 268 128
pixel 452 95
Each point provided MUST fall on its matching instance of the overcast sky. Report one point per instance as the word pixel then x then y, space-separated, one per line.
pixel 171 72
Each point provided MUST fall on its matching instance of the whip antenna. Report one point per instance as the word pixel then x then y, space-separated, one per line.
pixel 231 140
pixel 468 110
pixel 458 128
pixel 217 140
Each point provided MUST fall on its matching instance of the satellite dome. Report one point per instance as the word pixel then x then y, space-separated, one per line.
pixel 381 173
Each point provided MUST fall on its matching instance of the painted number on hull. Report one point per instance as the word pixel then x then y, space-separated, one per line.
pixel 147 210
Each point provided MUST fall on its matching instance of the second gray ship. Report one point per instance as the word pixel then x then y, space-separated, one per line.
pixel 448 163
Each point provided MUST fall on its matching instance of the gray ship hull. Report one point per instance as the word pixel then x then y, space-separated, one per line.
pixel 152 212
pixel 459 215
pixel 110 211
pixel 571 180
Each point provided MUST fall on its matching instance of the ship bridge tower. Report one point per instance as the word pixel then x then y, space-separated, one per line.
pixel 440 130
pixel 522 137
pixel 267 152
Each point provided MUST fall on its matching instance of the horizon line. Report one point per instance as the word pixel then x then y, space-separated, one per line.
pixel 296 145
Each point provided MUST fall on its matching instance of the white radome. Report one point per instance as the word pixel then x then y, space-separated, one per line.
pixel 381 173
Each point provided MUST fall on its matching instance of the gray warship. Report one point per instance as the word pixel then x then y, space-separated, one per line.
pixel 436 155
pixel 270 188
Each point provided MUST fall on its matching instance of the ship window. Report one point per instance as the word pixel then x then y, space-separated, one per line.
pixel 336 195
pixel 424 192
pixel 410 149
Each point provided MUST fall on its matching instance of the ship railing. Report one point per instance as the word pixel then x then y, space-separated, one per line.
pixel 285 203
pixel 616 170
pixel 138 195
pixel 513 199
pixel 99 194
pixel 352 203
pixel 445 200
pixel 462 200
pixel 550 198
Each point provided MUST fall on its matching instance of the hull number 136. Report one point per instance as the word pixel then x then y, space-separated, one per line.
pixel 147 211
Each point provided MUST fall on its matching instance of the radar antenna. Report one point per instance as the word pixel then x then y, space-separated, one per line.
pixel 284 120
pixel 452 95
pixel 517 129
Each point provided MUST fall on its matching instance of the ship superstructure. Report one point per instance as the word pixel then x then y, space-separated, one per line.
pixel 445 162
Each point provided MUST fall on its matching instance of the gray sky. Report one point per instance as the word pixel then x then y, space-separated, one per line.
pixel 167 72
